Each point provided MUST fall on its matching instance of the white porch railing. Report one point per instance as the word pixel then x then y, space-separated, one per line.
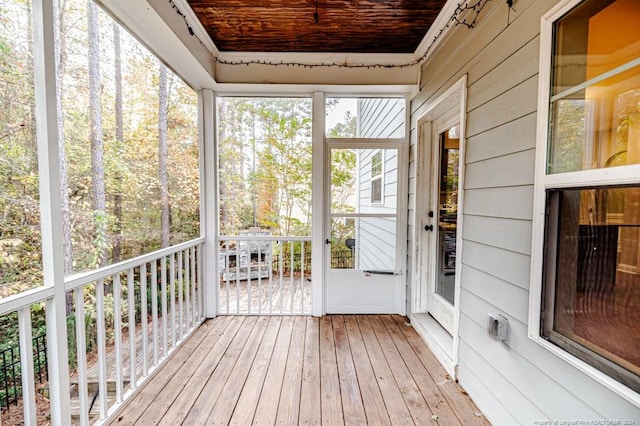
pixel 134 314
pixel 264 275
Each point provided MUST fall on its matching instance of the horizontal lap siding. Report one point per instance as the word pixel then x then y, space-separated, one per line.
pixel 378 118
pixel 520 381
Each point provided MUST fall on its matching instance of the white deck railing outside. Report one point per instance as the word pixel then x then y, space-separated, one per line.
pixel 159 294
pixel 264 275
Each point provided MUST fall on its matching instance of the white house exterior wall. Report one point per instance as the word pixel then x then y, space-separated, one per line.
pixel 517 382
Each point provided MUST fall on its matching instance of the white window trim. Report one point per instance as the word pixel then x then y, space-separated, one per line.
pixel 378 177
pixel 603 176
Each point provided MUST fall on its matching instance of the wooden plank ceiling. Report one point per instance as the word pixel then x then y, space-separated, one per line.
pixel 350 26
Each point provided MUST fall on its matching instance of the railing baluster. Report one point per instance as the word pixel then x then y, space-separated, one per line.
pixel 180 295
pixel 237 277
pixel 302 278
pixel 226 280
pixel 259 278
pixel 144 320
pixel 81 356
pixel 172 297
pixel 199 279
pixel 249 293
pixel 281 271
pixel 187 290
pixel 291 268
pixel 102 350
pixel 194 306
pixel 131 298
pixel 163 292
pixel 117 328
pixel 26 366
pixel 154 309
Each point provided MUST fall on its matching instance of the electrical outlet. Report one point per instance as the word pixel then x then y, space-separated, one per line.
pixel 498 327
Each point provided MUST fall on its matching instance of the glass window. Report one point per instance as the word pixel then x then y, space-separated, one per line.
pixel 595 102
pixel 590 303
pixel 593 277
pixel 376 177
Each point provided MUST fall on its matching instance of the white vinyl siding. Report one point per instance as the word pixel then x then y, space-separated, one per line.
pixel 517 382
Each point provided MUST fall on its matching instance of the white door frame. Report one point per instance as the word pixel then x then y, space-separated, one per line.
pixel 451 106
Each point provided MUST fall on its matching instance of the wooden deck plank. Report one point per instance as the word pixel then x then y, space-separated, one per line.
pixel 272 387
pixel 245 408
pixel 197 374
pixel 373 403
pixel 462 405
pixel 202 337
pixel 418 407
pixel 225 404
pixel 331 402
pixel 310 412
pixel 352 405
pixel 396 407
pixel 433 396
pixel 362 369
pixel 204 401
pixel 289 405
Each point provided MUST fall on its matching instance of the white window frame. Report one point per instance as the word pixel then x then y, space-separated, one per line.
pixel 629 174
pixel 379 177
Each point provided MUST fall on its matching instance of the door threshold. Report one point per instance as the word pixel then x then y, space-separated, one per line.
pixel 438 340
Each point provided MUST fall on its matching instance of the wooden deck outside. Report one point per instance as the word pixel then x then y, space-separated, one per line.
pixel 302 370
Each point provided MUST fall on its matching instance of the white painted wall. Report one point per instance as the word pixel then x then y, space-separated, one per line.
pixel 518 382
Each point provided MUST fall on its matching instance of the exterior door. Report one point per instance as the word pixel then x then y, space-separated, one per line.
pixel 362 251
pixel 441 226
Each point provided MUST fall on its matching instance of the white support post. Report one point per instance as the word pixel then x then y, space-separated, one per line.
pixel 209 202
pixel 317 215
pixel 50 212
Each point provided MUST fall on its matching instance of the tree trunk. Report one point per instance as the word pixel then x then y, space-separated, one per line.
pixel 97 148
pixel 59 45
pixel 163 154
pixel 117 197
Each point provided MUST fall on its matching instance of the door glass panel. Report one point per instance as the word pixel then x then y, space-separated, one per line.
pixel 448 213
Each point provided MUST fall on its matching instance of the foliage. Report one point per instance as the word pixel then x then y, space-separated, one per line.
pixel 130 165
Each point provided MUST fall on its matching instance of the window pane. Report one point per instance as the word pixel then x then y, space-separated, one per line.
pixel 265 165
pixel 593 277
pixel 365 118
pixel 20 238
pixel 595 37
pixel 598 126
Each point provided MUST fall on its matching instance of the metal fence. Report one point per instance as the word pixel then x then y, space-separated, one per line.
pixel 10 374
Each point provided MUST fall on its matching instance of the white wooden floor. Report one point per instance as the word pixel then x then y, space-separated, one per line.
pixel 281 295
pixel 302 370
